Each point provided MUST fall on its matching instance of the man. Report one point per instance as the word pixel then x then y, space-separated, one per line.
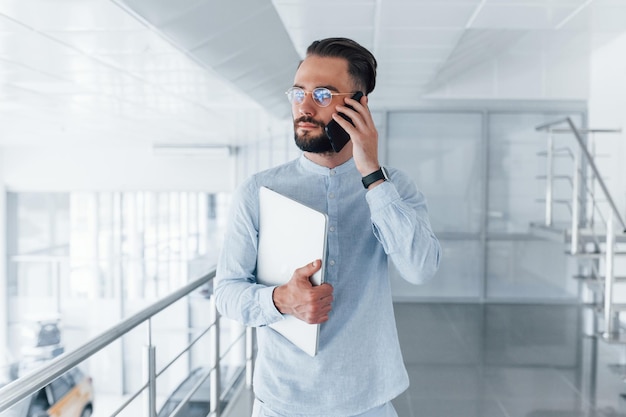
pixel 375 215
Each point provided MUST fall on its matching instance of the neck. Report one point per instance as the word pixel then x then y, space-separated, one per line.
pixel 331 159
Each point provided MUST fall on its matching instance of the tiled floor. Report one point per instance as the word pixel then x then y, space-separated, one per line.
pixel 505 361
pixel 472 360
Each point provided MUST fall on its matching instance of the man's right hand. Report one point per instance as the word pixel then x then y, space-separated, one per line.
pixel 301 299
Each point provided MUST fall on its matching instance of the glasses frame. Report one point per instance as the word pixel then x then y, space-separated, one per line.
pixel 292 89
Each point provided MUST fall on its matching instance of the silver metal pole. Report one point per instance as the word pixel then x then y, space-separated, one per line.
pixel 215 362
pixel 592 164
pixel 37 379
pixel 150 371
pixel 58 284
pixel 577 134
pixel 249 356
pixel 549 178
pixel 609 324
pixel 575 203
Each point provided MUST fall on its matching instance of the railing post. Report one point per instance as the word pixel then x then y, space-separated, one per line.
pixel 34 381
pixel 150 372
pixel 249 355
pixel 576 202
pixel 549 178
pixel 215 408
pixel 57 284
pixel 594 168
pixel 610 317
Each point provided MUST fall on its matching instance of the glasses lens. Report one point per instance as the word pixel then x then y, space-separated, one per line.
pixel 295 95
pixel 322 96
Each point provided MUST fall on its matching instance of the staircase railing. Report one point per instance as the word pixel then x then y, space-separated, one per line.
pixel 39 378
pixel 611 315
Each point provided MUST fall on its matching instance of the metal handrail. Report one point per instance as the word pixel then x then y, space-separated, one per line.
pixel 590 161
pixel 611 316
pixel 39 378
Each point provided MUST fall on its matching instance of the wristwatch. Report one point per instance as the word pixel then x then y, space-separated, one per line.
pixel 380 174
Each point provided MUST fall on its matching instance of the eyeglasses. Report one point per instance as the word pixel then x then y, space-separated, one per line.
pixel 322 96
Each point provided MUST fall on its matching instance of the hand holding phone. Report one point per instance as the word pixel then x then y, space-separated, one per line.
pixel 336 134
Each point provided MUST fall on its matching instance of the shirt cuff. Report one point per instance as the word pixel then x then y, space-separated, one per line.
pixel 381 196
pixel 266 300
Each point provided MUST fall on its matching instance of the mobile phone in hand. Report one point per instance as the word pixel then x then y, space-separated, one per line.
pixel 336 134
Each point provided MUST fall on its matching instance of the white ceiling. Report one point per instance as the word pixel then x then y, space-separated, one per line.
pixel 194 71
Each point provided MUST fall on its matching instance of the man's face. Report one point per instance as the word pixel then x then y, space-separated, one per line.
pixel 309 118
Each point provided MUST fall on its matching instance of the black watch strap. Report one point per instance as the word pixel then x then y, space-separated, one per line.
pixel 380 174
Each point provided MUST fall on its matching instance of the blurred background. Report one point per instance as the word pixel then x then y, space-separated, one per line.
pixel 125 126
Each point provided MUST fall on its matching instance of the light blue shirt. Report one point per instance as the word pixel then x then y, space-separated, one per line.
pixel 359 364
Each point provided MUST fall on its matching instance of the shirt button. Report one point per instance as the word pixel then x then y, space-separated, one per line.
pixel 332 228
pixel 331 195
pixel 332 262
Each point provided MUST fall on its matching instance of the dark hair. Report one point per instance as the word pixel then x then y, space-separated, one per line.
pixel 361 62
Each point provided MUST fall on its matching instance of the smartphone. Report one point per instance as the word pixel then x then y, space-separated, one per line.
pixel 336 134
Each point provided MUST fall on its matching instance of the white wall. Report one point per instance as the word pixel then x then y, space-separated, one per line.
pixel 538 66
pixel 3 265
pixel 268 151
pixel 108 168
pixel 607 109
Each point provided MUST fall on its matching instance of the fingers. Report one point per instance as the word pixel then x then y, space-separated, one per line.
pixel 308 270
pixel 362 127
pixel 301 299
pixel 359 114
pixel 317 306
pixel 363 133
pixel 314 293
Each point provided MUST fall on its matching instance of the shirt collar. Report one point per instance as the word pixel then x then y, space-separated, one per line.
pixel 311 166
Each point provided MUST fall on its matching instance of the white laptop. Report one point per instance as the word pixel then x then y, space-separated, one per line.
pixel 291 235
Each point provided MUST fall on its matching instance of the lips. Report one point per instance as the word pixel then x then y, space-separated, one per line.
pixel 307 123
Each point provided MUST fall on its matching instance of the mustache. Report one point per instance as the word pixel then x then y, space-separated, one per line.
pixel 309 119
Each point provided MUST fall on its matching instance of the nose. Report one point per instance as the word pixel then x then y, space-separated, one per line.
pixel 304 112
pixel 307 107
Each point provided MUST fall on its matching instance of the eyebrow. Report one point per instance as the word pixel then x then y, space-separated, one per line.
pixel 330 87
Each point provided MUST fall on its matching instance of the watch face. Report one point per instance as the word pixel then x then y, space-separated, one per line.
pixel 385 173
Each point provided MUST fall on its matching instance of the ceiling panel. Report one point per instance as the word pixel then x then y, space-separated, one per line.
pixel 66 59
pixel 413 54
pixel 214 33
pixel 206 20
pixel 521 16
pixel 308 21
pixel 474 48
pixel 68 15
pixel 8 25
pixel 32 49
pixel 138 41
pixel 362 34
pixel 298 16
pixel 412 37
pixel 609 16
pixel 194 70
pixel 425 15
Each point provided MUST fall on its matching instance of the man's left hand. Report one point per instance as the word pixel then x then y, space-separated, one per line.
pixel 363 134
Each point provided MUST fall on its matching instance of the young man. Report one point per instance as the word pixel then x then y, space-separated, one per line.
pixel 375 215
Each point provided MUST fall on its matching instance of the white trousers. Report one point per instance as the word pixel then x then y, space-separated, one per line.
pixel 385 410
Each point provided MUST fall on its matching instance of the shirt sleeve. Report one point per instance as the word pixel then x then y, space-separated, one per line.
pixel 238 296
pixel 400 222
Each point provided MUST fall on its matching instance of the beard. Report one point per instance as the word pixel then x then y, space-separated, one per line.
pixel 308 142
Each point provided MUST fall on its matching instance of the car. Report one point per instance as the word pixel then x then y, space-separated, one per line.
pixel 42 339
pixel 199 404
pixel 70 395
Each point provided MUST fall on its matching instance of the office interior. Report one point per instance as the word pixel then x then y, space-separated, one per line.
pixel 126 125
